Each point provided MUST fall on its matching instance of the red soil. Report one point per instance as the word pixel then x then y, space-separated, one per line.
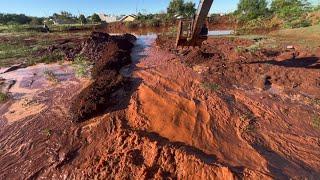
pixel 202 113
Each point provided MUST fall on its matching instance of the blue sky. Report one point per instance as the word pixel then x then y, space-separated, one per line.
pixel 88 7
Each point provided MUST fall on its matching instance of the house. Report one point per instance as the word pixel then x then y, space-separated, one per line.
pixel 107 18
pixel 128 18
pixel 58 21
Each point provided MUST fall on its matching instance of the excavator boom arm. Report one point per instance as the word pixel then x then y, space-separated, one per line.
pixel 201 15
pixel 196 25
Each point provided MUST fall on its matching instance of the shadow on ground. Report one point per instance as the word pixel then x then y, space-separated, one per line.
pixel 305 62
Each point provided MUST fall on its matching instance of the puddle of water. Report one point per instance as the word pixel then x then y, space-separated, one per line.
pixel 144 42
pixel 220 33
pixel 33 78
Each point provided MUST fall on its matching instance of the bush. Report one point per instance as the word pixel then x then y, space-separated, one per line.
pixel 153 23
pixel 259 25
pixel 298 23
pixel 82 66
pixel 252 9
pixel 132 24
pixel 181 8
pixel 292 12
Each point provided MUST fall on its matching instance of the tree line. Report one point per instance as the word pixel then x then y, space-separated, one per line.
pixel 290 13
pixel 65 17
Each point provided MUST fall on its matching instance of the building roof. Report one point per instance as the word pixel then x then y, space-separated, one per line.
pixel 126 16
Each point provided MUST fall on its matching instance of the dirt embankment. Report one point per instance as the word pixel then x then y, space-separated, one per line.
pixel 218 22
pixel 108 55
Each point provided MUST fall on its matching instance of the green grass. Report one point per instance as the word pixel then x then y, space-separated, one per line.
pixel 211 86
pixel 82 66
pixel 39 28
pixel 316 122
pixel 315 102
pixel 53 57
pixel 3 97
pixel 13 51
pixel 50 76
pixel 307 37
pixel 47 132
pixel 22 47
pixel 246 117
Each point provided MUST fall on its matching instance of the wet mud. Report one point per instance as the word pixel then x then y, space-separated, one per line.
pixel 151 112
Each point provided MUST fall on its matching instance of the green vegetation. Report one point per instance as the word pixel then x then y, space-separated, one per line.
pixel 315 102
pixel 83 19
pixel 307 37
pixel 3 97
pixel 316 121
pixel 13 51
pixel 82 66
pixel 50 76
pixel 8 19
pixel 246 117
pixel 181 8
pixel 63 21
pixel 47 132
pixel 52 57
pixel 211 86
pixel 133 24
pixel 255 15
pixel 31 48
pixel 95 18
pixel 252 9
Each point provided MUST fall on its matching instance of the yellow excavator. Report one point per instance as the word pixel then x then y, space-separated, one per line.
pixel 194 32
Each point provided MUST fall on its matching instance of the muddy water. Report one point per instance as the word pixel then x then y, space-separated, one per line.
pixel 145 39
pixel 27 85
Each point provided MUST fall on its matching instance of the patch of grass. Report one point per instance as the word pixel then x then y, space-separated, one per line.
pixel 53 57
pixel 47 132
pixel 3 97
pixel 315 101
pixel 246 117
pixel 316 122
pixel 250 128
pixel 39 28
pixel 50 76
pixel 82 66
pixel 254 48
pixel 307 37
pixel 240 49
pixel 211 86
pixel 13 51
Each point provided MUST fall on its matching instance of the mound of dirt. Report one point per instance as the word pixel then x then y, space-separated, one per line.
pixel 108 54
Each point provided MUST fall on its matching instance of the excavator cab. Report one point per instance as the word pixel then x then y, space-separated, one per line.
pixel 194 32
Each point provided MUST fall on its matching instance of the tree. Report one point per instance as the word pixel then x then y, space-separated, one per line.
pixel 189 9
pixel 175 7
pixel 36 21
pixel 181 8
pixel 292 12
pixel 14 19
pixel 82 19
pixel 252 9
pixel 288 9
pixel 64 17
pixel 95 18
